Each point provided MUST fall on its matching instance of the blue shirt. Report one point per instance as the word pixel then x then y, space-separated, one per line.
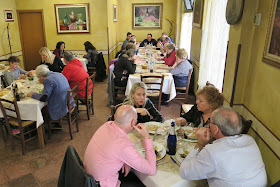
pixel 55 88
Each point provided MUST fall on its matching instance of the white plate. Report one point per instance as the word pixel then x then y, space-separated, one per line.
pixel 141 150
pixel 153 123
pixel 161 71
pixel 160 62
pixel 177 155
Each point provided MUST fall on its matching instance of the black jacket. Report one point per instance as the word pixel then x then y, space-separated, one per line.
pixel 156 116
pixel 100 68
pixel 194 116
pixel 124 64
pixel 57 65
pixel 153 41
pixel 72 171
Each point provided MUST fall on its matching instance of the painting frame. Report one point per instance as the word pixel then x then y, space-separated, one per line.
pixel 115 13
pixel 271 54
pixel 198 13
pixel 155 17
pixel 78 20
pixel 9 16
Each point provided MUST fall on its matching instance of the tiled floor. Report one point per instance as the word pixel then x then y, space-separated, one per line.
pixel 41 167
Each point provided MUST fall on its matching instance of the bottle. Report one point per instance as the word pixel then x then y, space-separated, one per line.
pixel 152 66
pixel 171 140
pixel 15 90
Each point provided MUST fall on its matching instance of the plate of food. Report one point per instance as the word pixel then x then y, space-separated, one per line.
pixel 181 154
pixel 189 134
pixel 20 80
pixel 152 126
pixel 160 150
pixel 160 62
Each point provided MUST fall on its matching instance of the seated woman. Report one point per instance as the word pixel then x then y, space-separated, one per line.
pixel 170 57
pixel 180 69
pixel 59 50
pixel 208 99
pixel 14 72
pixel 53 62
pixel 92 54
pixel 123 67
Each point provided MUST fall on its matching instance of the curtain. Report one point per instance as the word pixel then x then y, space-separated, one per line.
pixel 186 32
pixel 214 44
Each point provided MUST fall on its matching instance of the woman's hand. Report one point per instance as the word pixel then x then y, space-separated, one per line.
pixel 29 94
pixel 143 111
pixel 22 76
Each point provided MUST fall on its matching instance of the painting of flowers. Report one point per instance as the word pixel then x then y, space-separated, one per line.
pixel 147 16
pixel 72 18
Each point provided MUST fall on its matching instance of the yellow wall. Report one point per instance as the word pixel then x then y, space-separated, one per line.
pixel 125 19
pixel 14 31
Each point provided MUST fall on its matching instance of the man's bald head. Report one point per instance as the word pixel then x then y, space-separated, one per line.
pixel 125 114
pixel 228 121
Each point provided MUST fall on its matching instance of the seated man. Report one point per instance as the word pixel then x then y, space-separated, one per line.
pixel 75 72
pixel 110 149
pixel 55 91
pixel 233 159
pixel 14 72
pixel 149 41
pixel 164 35
pixel 128 36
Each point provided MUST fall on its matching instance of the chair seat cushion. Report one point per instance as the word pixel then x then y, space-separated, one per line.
pixel 153 94
pixel 186 107
pixel 24 123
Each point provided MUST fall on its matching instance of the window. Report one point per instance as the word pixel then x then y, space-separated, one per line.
pixel 186 32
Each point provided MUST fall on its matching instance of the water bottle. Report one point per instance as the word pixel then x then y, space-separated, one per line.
pixel 152 66
pixel 171 140
pixel 15 90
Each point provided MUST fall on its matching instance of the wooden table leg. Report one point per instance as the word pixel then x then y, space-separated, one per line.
pixel 40 137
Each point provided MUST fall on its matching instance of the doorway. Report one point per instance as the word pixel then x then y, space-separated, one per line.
pixel 32 34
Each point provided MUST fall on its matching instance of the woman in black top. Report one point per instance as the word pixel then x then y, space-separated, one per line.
pixel 52 61
pixel 123 67
pixel 92 54
pixel 146 110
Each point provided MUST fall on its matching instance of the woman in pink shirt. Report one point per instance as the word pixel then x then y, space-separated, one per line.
pixel 170 57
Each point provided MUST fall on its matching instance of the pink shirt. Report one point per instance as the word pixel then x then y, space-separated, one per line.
pixel 109 149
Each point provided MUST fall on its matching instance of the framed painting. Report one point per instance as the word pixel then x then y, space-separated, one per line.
pixel 271 53
pixel 8 15
pixel 147 15
pixel 115 12
pixel 197 13
pixel 72 18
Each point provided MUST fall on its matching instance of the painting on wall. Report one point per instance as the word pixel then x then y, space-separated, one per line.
pixel 8 15
pixel 147 16
pixel 72 18
pixel 115 12
pixel 272 44
pixel 197 13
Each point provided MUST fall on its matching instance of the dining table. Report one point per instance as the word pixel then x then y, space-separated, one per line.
pixel 167 174
pixel 80 58
pixel 143 68
pixel 29 108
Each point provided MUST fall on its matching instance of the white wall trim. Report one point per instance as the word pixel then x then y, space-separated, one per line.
pixel 6 56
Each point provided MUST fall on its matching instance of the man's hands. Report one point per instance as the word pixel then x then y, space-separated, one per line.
pixel 203 135
pixel 142 130
pixel 126 169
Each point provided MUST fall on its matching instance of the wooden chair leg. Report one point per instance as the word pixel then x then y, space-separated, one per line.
pixel 92 109
pixel 69 124
pixel 87 104
pixel 2 133
pixel 22 142
pixel 76 116
pixel 44 133
pixel 49 129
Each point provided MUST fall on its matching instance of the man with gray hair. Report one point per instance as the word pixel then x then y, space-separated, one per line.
pixel 75 73
pixel 55 92
pixel 233 159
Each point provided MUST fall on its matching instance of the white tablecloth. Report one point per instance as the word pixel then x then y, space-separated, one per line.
pixel 83 60
pixel 168 85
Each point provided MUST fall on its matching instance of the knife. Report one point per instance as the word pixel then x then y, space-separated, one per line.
pixel 174 161
pixel 160 163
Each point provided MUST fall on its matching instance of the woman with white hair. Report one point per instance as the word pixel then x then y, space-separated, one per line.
pixel 55 91
pixel 52 61
pixel 146 110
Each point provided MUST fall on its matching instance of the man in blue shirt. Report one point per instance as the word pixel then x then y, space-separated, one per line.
pixel 128 36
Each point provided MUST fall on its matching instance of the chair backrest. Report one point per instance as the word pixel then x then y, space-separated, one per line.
pixel 114 108
pixel 4 82
pixel 90 83
pixel 72 97
pixel 246 125
pixel 72 171
pixel 12 110
pixel 151 80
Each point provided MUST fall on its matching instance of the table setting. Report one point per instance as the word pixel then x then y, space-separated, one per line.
pixel 167 165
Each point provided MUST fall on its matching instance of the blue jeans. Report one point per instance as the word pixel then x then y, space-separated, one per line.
pixel 180 81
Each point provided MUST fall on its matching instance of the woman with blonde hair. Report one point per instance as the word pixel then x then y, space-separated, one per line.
pixel 52 61
pixel 146 110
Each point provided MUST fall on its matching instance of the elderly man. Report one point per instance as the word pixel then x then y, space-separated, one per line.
pixel 162 45
pixel 110 149
pixel 75 73
pixel 164 35
pixel 149 41
pixel 233 159
pixel 128 36
pixel 55 91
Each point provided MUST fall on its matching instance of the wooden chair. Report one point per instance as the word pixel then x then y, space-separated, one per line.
pixel 154 85
pixel 185 90
pixel 246 125
pixel 3 82
pixel 2 126
pixel 114 108
pixel 118 90
pixel 72 95
pixel 88 100
pixel 26 128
